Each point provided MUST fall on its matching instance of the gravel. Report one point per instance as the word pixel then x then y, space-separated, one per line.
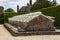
pixel 5 35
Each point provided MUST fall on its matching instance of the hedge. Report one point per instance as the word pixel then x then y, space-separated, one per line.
pixel 11 14
pixel 1 18
pixel 52 11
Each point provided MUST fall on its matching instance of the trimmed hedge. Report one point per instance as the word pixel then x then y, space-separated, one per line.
pixel 1 18
pixel 7 15
pixel 52 11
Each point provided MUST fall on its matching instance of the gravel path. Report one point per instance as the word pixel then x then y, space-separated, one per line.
pixel 5 35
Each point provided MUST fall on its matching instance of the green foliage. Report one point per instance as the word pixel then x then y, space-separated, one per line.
pixel 41 4
pixel 7 15
pixel 1 18
pixel 54 2
pixel 52 11
pixel 11 14
pixel 9 10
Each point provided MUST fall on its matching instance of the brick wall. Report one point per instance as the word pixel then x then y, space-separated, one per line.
pixel 1 9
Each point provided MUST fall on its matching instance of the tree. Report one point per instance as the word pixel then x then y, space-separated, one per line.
pixel 41 4
pixel 9 10
pixel 54 2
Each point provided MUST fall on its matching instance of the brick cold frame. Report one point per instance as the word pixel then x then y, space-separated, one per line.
pixel 33 22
